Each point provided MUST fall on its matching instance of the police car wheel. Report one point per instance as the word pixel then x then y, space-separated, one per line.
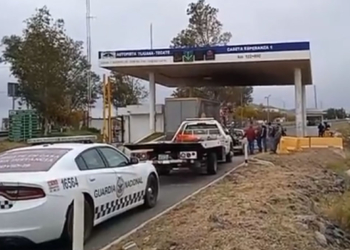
pixel 212 164
pixel 88 223
pixel 152 189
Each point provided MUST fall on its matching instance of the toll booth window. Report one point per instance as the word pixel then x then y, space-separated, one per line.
pixel 313 120
pixel 210 55
pixel 199 55
pixel 178 56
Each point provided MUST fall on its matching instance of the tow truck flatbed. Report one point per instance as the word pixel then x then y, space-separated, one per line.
pixel 198 143
pixel 170 146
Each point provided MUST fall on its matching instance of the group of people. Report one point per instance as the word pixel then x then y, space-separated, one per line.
pixel 267 137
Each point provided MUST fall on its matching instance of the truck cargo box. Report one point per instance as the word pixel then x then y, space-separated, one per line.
pixel 179 109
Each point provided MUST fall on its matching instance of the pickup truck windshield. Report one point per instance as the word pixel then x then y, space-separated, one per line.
pixel 202 129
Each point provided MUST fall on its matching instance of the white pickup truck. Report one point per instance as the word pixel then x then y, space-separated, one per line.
pixel 198 144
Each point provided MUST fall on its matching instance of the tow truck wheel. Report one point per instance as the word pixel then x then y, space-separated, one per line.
pixel 151 195
pixel 163 171
pixel 67 235
pixel 212 164
pixel 229 157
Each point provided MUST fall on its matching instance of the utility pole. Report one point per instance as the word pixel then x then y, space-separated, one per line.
pixel 241 107
pixel 154 118
pixel 88 53
pixel 151 35
pixel 268 107
pixel 315 96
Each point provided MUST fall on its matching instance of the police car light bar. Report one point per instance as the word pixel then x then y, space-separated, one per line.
pixel 200 119
pixel 63 139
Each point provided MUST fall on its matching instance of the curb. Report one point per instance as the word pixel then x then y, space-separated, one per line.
pixel 123 237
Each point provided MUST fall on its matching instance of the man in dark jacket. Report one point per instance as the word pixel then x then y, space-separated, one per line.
pixel 279 132
pixel 263 137
pixel 321 129
pixel 270 135
pixel 258 137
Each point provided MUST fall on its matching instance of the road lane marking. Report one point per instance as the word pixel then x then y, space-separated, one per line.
pixel 123 237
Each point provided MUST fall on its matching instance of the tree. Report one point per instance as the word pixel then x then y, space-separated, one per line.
pixel 126 90
pixel 50 68
pixel 237 95
pixel 334 113
pixel 204 29
pixel 245 112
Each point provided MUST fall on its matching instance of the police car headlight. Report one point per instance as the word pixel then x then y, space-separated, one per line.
pixel 188 155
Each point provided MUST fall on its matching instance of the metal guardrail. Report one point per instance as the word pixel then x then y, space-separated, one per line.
pixel 329 121
pixel 4 134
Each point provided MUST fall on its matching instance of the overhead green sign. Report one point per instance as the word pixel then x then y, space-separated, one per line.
pixel 188 56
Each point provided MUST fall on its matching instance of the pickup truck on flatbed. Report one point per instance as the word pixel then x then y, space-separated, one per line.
pixel 198 144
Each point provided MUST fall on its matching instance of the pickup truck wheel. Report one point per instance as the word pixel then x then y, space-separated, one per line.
pixel 229 157
pixel 230 154
pixel 212 164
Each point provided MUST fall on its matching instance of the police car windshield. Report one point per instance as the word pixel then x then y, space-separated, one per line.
pixel 30 160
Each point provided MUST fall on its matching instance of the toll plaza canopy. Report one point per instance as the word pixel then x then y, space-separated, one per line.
pixel 229 65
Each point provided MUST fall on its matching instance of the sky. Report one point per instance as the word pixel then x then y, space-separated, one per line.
pixel 120 25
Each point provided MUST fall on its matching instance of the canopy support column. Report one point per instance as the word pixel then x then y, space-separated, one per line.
pixel 303 92
pixel 298 103
pixel 152 102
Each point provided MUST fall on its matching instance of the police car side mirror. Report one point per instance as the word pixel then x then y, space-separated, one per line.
pixel 134 160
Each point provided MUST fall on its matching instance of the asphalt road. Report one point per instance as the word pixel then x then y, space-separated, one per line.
pixel 173 189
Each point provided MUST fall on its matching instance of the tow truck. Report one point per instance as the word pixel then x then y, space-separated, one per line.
pixel 199 143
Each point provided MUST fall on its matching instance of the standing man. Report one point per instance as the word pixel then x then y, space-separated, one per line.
pixel 250 135
pixel 270 135
pixel 263 137
pixel 321 129
pixel 277 138
pixel 258 137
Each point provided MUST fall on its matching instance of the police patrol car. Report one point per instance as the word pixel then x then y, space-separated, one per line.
pixel 38 185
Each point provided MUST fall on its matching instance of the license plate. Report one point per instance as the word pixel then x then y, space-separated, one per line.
pixel 163 157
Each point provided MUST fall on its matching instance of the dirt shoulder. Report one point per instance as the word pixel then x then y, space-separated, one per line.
pixel 277 205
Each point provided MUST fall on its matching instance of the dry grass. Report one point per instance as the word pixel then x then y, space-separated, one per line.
pixel 258 207
pixel 338 207
pixel 6 145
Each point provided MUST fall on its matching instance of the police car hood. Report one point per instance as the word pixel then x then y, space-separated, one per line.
pixel 23 177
